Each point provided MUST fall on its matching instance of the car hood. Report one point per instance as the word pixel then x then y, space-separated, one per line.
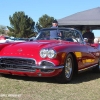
pixel 28 48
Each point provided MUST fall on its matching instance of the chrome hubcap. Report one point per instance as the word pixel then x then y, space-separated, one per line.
pixel 68 68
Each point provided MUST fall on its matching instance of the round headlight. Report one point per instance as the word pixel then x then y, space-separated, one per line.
pixel 51 54
pixel 43 53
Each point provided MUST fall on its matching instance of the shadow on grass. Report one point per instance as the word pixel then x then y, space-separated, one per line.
pixel 82 77
pixel 85 77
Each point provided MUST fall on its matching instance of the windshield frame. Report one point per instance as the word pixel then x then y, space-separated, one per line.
pixel 72 32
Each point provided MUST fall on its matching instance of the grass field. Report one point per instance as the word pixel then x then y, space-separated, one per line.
pixel 86 86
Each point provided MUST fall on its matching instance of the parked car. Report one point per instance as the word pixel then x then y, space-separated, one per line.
pixel 4 39
pixel 61 57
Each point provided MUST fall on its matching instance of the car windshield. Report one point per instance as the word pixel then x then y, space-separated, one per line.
pixel 66 35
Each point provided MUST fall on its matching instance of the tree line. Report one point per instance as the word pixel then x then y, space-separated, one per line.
pixel 23 26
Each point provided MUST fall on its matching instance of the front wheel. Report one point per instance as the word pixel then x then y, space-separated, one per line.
pixel 67 73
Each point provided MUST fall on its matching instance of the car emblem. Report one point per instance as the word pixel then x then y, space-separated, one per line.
pixel 19 50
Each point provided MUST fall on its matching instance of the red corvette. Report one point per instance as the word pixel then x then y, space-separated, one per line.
pixel 61 57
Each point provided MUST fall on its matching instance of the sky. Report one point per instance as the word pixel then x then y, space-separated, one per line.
pixel 36 8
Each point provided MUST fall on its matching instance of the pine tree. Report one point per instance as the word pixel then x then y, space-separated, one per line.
pixel 21 25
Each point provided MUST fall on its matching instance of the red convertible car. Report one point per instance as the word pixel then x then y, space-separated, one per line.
pixel 61 57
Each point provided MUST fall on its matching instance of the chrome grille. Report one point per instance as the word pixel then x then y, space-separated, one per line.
pixel 17 64
pixel 17 61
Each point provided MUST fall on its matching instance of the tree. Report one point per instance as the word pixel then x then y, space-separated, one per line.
pixel 44 21
pixel 21 25
pixel 2 29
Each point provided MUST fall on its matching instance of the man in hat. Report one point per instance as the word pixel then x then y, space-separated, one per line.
pixel 55 33
pixel 89 35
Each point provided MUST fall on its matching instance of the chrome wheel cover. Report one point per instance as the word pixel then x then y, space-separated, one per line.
pixel 68 68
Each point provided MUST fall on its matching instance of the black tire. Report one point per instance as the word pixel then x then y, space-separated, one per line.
pixel 1 75
pixel 97 68
pixel 67 73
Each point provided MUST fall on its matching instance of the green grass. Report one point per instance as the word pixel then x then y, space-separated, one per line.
pixel 86 86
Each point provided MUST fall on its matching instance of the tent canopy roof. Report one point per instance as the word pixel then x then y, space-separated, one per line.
pixel 89 17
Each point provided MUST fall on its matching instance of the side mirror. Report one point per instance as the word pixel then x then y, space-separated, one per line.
pixel 86 40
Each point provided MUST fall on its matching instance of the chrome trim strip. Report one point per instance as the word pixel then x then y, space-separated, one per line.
pixel 87 68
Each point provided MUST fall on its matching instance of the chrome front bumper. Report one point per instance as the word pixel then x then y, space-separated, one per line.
pixel 48 67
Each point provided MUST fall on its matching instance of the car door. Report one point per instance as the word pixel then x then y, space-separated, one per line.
pixel 92 54
pixel 89 53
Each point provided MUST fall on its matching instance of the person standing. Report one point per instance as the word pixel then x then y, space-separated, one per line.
pixel 89 35
pixel 55 33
